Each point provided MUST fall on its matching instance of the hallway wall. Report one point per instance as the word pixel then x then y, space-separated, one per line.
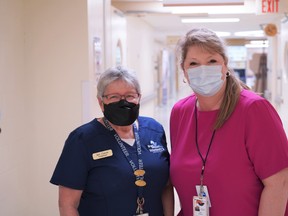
pixel 47 88
pixel 46 55
pixel 14 115
pixel 56 56
pixel 141 56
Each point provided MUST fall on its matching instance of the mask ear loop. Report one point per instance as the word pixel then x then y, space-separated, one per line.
pixel 185 79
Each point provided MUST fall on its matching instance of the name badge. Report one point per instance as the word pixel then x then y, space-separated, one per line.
pixel 205 193
pixel 102 154
pixel 200 206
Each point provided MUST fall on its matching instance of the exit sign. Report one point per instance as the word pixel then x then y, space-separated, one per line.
pixel 270 6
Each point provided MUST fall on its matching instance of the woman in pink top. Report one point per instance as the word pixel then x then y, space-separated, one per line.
pixel 229 149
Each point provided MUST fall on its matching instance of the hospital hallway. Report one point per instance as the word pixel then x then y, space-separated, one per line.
pixel 52 53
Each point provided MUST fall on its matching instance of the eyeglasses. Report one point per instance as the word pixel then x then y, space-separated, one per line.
pixel 131 97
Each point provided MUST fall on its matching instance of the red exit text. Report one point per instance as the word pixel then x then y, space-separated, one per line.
pixel 270 6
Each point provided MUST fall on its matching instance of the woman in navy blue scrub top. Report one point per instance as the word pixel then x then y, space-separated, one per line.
pixel 117 165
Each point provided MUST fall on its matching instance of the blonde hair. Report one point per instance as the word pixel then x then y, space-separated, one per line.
pixel 210 42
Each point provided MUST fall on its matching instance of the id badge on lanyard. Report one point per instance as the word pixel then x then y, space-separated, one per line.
pixel 201 202
pixel 139 211
pixel 139 171
pixel 200 206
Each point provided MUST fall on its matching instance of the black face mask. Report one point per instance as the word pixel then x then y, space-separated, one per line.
pixel 121 113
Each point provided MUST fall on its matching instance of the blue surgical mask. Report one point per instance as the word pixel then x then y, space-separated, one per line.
pixel 205 80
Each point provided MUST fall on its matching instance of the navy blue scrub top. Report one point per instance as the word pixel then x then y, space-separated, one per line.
pixel 108 183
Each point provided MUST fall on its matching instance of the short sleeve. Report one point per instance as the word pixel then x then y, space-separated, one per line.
pixel 266 141
pixel 73 165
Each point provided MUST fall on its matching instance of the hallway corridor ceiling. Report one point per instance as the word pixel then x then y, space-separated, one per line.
pixel 165 16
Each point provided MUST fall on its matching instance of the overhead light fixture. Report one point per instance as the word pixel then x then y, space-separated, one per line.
pixel 257 33
pixel 209 20
pixel 258 44
pixel 201 2
pixel 213 10
pixel 248 8
pixel 223 34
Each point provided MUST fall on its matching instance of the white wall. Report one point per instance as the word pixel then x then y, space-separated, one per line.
pixel 14 115
pixel 140 57
pixel 56 56
pixel 118 35
pixel 46 55
pixel 97 10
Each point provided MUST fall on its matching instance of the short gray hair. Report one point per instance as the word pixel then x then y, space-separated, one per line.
pixel 117 73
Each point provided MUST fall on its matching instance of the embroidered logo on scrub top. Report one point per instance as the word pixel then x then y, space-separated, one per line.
pixel 154 147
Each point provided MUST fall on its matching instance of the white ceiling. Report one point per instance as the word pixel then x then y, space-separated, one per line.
pixel 160 17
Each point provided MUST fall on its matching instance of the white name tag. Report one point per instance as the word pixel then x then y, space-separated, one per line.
pixel 200 206
pixel 205 192
pixel 102 154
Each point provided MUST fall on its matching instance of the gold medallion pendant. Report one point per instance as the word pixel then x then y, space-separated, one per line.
pixel 140 183
pixel 139 172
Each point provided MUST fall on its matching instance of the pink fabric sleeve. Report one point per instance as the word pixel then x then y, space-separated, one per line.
pixel 266 139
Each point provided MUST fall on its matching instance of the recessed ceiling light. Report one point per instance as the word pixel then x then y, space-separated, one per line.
pixel 201 2
pixel 209 20
pixel 257 44
pixel 247 9
pixel 223 34
pixel 257 33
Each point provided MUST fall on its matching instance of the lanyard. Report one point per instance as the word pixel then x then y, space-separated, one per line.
pixel 204 160
pixel 138 172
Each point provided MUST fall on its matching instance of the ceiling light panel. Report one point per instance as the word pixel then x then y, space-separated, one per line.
pixel 201 2
pixel 257 33
pixel 209 20
pixel 248 8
